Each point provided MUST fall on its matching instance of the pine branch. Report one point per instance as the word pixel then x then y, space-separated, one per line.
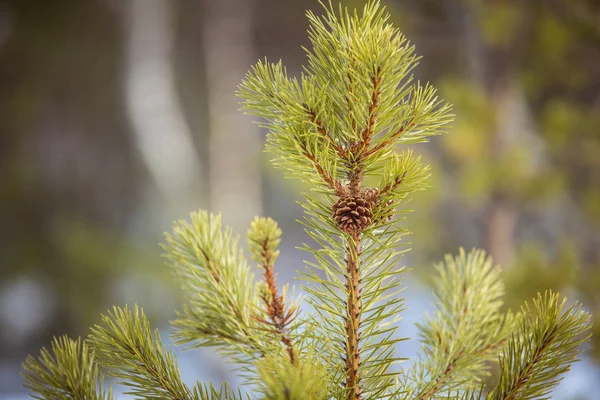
pixel 385 143
pixel 67 371
pixel 368 131
pixel 264 238
pixel 544 345
pixel 135 355
pixel 220 289
pixel 467 329
pixel 328 179
pixel 357 74
pixel 324 133
pixel 298 135
pixel 335 128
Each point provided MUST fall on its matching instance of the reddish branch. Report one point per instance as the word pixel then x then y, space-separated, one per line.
pixel 323 132
pixel 368 131
pixel 392 185
pixel 386 142
pixel 327 178
pixel 278 316
pixel 353 314
pixel 354 156
pixel 353 301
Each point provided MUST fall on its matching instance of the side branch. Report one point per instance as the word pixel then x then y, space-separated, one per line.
pixel 526 372
pixel 393 185
pixel 367 133
pixel 357 146
pixel 327 178
pixel 386 142
pixel 323 132
pixel 279 317
pixel 450 368
pixel 161 379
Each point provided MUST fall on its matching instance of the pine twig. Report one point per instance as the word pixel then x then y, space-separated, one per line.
pixel 450 368
pixel 368 131
pixel 386 142
pixel 324 133
pixel 327 178
pixel 264 237
pixel 278 316
pixel 526 373
pixel 393 185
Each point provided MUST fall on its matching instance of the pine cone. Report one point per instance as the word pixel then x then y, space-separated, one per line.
pixel 371 195
pixel 390 212
pixel 352 214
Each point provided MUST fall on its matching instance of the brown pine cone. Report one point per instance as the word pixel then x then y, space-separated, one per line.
pixel 390 212
pixel 352 214
pixel 371 195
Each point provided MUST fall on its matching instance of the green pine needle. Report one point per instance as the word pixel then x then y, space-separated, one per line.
pixel 219 284
pixel 543 346
pixel 67 371
pixel 126 344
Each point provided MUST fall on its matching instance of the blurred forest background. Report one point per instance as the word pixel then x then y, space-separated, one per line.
pixel 118 116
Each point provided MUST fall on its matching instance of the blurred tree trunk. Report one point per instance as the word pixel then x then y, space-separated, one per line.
pixel 492 66
pixel 501 212
pixel 160 130
pixel 235 144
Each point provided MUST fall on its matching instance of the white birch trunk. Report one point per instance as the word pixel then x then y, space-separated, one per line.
pixel 159 127
pixel 235 144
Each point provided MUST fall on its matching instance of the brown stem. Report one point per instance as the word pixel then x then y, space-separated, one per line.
pixel 323 132
pixel 368 132
pixel 358 146
pixel 275 305
pixel 328 179
pixel 385 143
pixel 353 302
pixel 353 314
pixel 392 185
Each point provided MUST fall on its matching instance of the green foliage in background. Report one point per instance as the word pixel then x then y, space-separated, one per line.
pixel 336 128
pixel 523 77
pixel 530 123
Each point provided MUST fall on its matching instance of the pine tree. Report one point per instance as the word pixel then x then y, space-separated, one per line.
pixel 336 128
